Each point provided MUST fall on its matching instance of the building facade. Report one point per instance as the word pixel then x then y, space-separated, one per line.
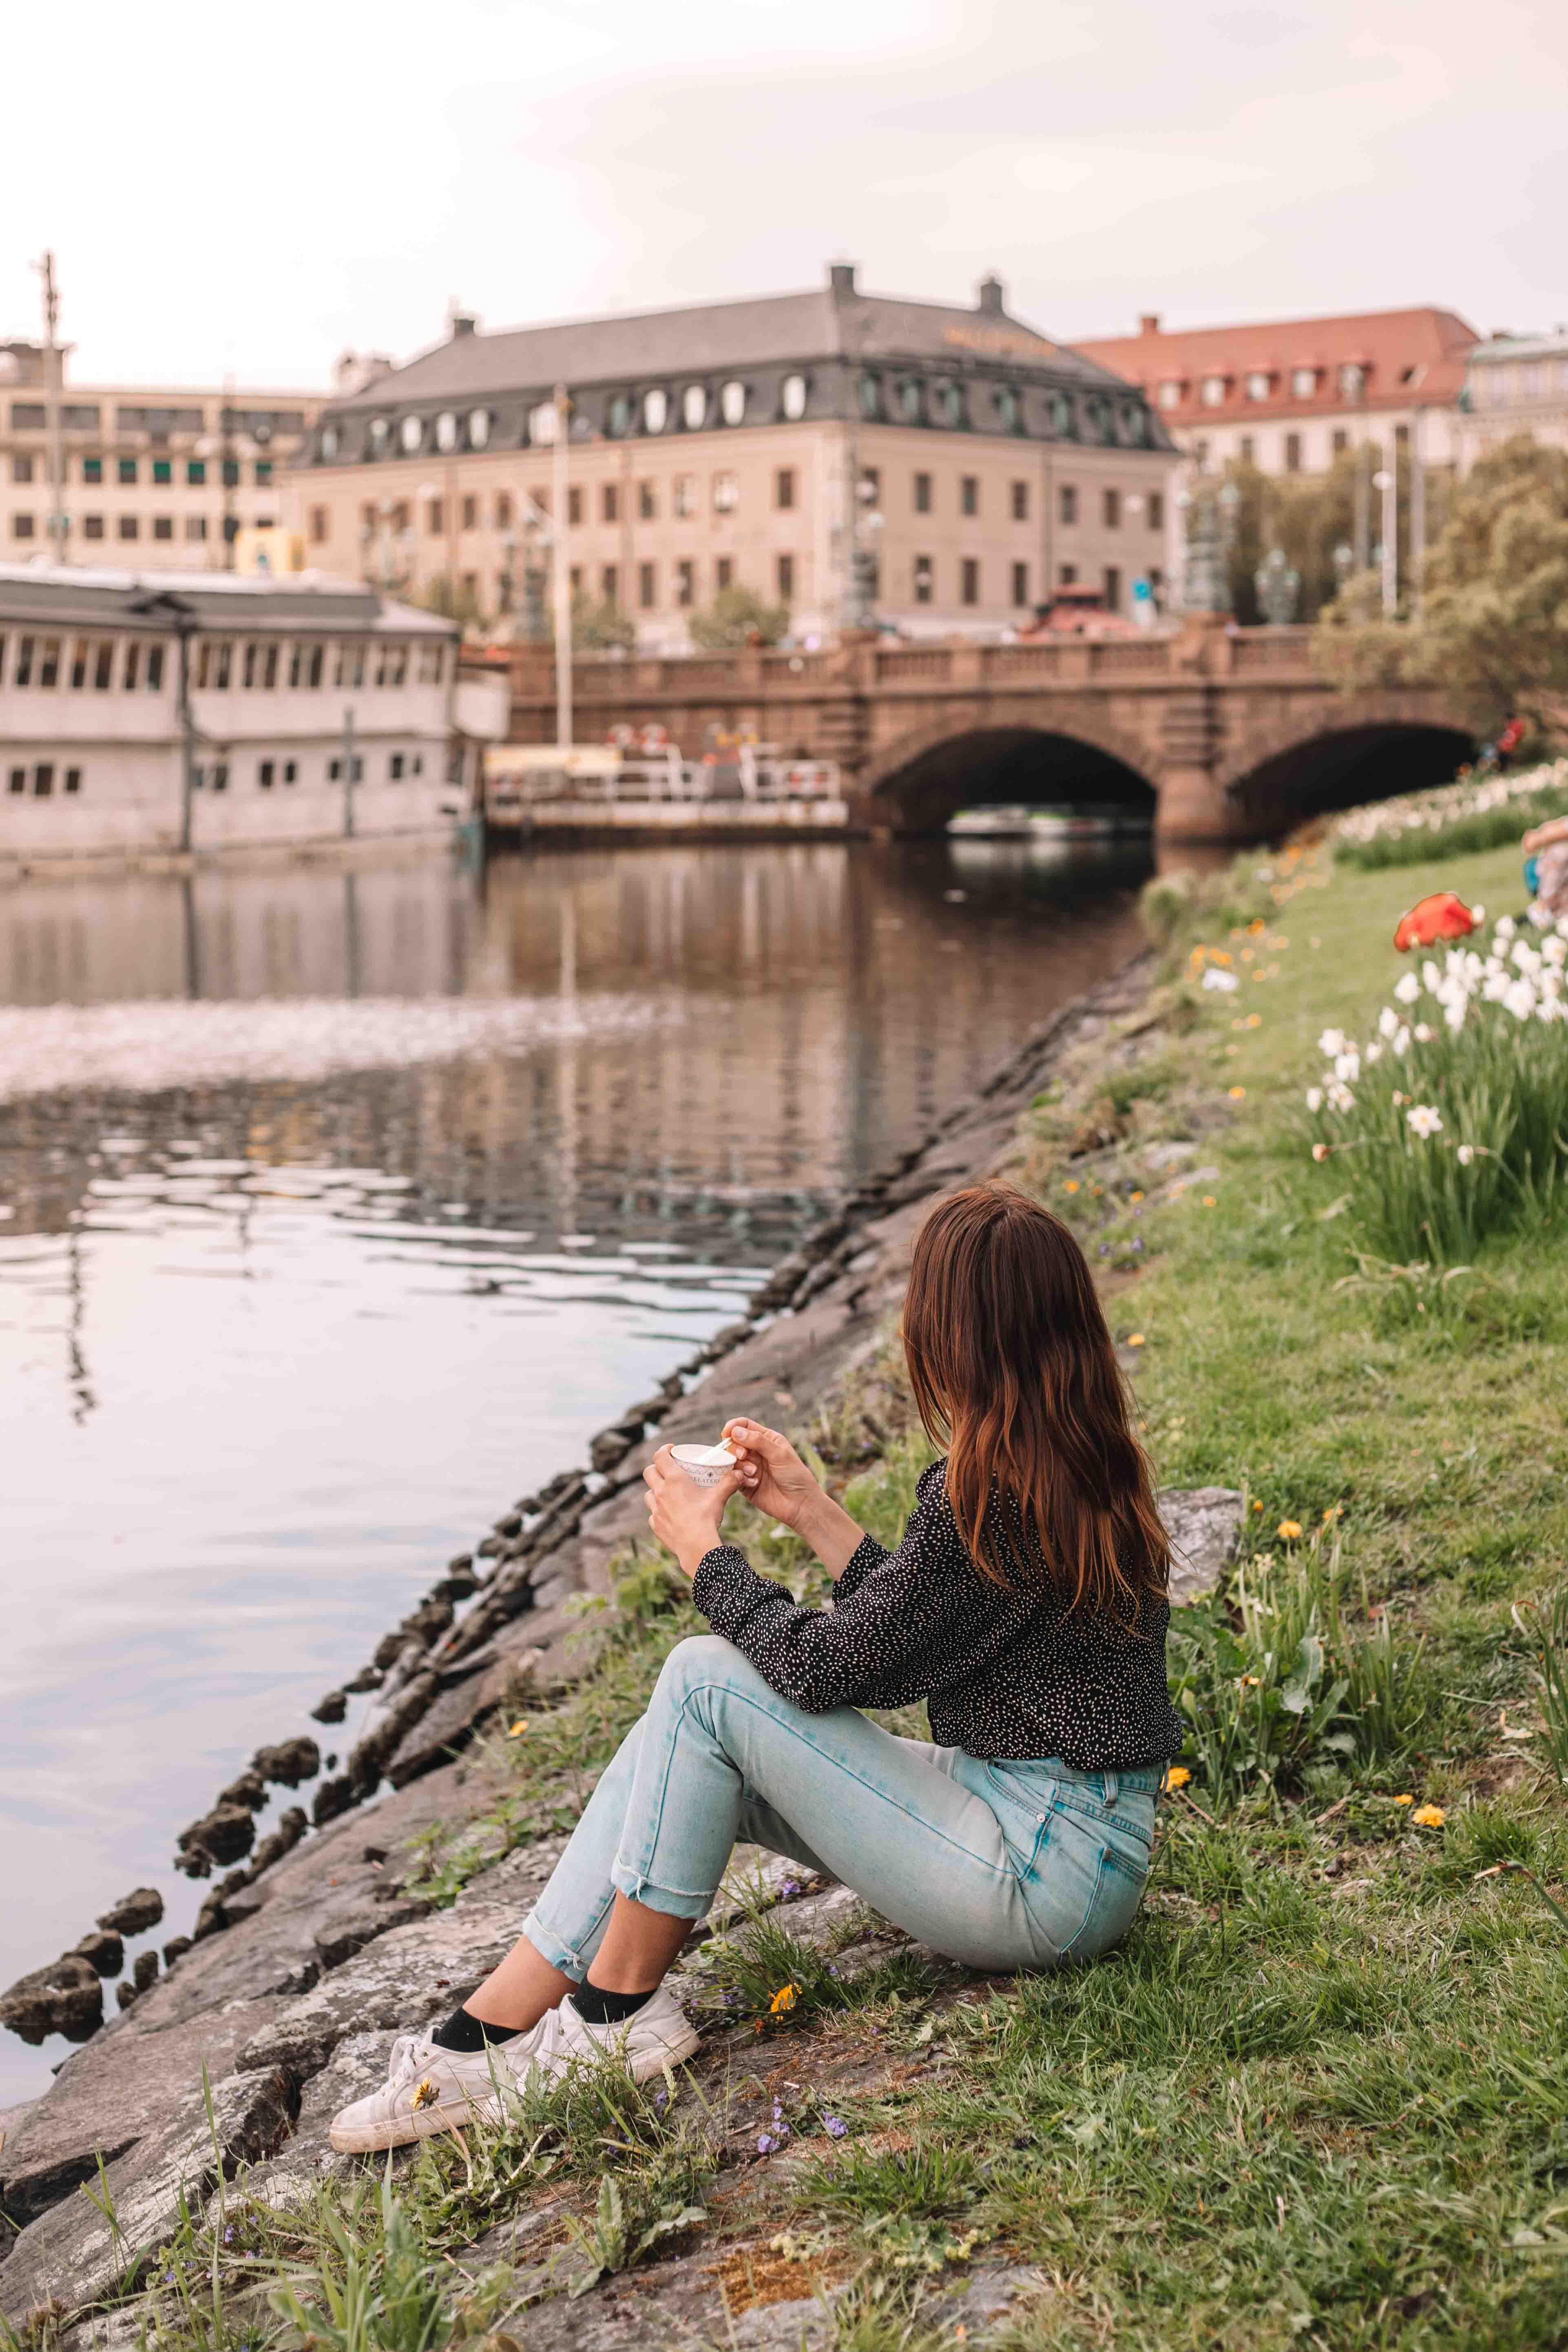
pixel 1290 396
pixel 157 479
pixel 1515 383
pixel 843 455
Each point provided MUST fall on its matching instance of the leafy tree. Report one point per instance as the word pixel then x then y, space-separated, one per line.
pixel 738 616
pixel 1310 515
pixel 601 628
pixel 453 600
pixel 1493 627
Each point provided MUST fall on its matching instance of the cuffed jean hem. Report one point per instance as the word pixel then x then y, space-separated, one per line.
pixel 561 1955
pixel 679 1902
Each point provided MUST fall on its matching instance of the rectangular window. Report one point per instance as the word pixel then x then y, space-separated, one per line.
pixel 969 495
pixel 726 493
pixel 196 527
pixel 503 509
pixel 1067 502
pixel 296 664
pixel 269 670
pixel 647 505
pixel 291 771
pixel 220 776
pixel 133 665
pixel 17 780
pixel 1341 440
pixel 969 576
pixel 575 581
pixel 1110 509
pixel 21 468
pixel 1292 453
pixel 1020 583
pixel 223 668
pixel 394 767
pixel 23 674
pixel 784 487
pixel 432 662
pixel 434 517
pixel 125 469
pixel 43 779
pixel 204 667
pixel 1246 450
pixel 609 502
pixel 130 526
pixel 162 526
pixel 79 665
pixel 264 775
pixel 784 579
pixel 21 526
pixel 1020 502
pixel 319 526
pixel 93 470
pixel 470 514
pixel 1067 574
pixel 574 504
pixel 162 470
pixel 610 583
pixel 249 662
pixel 922 494
pixel 49 662
pixel 925 580
pixel 1112 589
pixel 230 472
pixel 334 771
pixel 263 472
pixel 685 583
pixel 103 667
pixel 723 573
pixel 646 587
pixel 92 526
pixel 154 669
pixel 73 780
pixel 686 494
pixel 195 471
pixel 1157 509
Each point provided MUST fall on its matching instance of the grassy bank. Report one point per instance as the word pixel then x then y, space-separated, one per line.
pixel 1320 2095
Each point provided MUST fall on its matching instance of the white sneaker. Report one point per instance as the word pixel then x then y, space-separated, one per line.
pixel 657 2035
pixel 428 2089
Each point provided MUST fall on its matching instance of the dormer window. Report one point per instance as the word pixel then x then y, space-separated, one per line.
pixel 330 442
pixel 446 431
pixel 542 424
pixel 1212 391
pixel 655 411
pixel 478 427
pixel 732 402
pixel 380 436
pixel 1259 384
pixel 1170 393
pixel 411 432
pixel 1303 383
pixel 694 407
pixel 792 398
pixel 1353 380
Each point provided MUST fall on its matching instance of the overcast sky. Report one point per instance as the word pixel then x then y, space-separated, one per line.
pixel 256 189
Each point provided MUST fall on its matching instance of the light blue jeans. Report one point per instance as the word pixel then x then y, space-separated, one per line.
pixel 1001 1866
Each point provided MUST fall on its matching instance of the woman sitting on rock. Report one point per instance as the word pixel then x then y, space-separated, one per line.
pixel 1027 1605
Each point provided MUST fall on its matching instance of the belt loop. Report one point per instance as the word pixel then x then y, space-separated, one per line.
pixel 1112 1787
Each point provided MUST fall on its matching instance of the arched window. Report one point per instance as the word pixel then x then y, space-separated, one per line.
pixel 732 402
pixel 445 431
pixel 871 395
pixel 380 436
pixel 619 415
pixel 655 411
pixel 694 407
pixel 1006 401
pixel 909 397
pixel 478 427
pixel 946 405
pixel 410 433
pixel 542 424
pixel 793 397
pixel 330 442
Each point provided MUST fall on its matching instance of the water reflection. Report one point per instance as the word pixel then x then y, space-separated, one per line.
pixel 337 1209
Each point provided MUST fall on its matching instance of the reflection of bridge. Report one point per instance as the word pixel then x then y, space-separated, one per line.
pixel 1226 735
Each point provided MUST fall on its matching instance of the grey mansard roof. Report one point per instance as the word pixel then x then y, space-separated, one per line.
pixel 829 335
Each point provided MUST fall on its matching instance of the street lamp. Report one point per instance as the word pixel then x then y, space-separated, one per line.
pixel 1279 584
pixel 865 564
pixel 1387 481
pixel 1344 562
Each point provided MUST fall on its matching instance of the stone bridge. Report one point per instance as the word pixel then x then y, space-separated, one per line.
pixel 1223 734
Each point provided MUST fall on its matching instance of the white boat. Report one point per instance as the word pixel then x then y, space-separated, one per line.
pixel 1011 823
pixel 163 713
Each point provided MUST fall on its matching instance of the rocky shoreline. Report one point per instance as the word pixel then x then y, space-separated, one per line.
pixel 309 1953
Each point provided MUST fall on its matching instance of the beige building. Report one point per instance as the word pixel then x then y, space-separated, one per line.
pixel 154 477
pixel 846 454
pixel 1515 383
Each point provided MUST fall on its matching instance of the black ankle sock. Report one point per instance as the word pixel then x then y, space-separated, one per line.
pixel 596 2006
pixel 464 2032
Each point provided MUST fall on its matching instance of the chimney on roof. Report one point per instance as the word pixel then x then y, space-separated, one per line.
pixel 461 322
pixel 841 277
pixel 992 294
pixel 1149 322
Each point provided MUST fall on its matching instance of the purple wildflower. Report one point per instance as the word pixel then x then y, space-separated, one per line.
pixel 765 2144
pixel 835 2127
pixel 790 1887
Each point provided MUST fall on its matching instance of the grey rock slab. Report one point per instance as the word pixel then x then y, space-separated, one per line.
pixel 287 2179
pixel 1205 1526
pixel 134 1913
pixel 71 2255
pixel 396 1983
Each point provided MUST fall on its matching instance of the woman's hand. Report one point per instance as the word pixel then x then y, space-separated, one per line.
pixel 771 1474
pixel 685 1517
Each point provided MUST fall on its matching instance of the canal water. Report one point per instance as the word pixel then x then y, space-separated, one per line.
pixel 339 1208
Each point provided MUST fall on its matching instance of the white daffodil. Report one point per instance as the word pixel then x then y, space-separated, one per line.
pixel 1407 988
pixel 1465 1154
pixel 1423 1033
pixel 1388 1020
pixel 1341 1097
pixel 1400 1042
pixel 1347 1066
pixel 1504 928
pixel 1222 981
pixel 1554 950
pixel 1519 1000
pixel 1525 957
pixel 1373 1053
pixel 1314 1098
pixel 1332 1041
pixel 1430 974
pixel 1479 914
pixel 1454 1014
pixel 1424 1119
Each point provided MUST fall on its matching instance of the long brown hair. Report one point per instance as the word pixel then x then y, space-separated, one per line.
pixel 1013 1368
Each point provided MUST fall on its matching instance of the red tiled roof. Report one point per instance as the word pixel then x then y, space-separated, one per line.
pixel 1410 356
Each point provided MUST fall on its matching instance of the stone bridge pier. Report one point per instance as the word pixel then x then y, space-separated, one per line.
pixel 1219 734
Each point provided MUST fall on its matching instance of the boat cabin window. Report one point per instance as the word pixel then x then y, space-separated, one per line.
pixel 24 661
pixel 103 669
pixel 50 661
pixel 247 669
pixel 269 669
pixel 155 668
pixel 431 664
pixel 296 664
pixel 133 665
pixel 392 668
pixel 79 665
pixel 317 666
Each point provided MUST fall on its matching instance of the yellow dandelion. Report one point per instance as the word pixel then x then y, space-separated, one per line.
pixel 1256 925
pixel 1334 1511
pixel 1135 1339
pixel 1255 1020
pixel 1072 1184
pixel 1209 1200
pixel 1288 1530
pixel 1135 1196
pixel 518 1728
pixel 784 1998
pixel 425 2095
pixel 1252 1682
pixel 1431 1817
pixel 1404 1801
pixel 1257 1507
pixel 1178 1777
pixel 1239 1094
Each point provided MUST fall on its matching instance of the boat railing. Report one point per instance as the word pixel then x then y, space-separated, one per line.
pixel 744 777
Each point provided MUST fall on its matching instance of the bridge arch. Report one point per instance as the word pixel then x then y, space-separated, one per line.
pixel 924 777
pixel 1357 747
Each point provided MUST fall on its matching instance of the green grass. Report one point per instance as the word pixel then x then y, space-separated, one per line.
pixel 1320 2096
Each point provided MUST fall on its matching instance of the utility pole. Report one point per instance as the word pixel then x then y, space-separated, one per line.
pixel 229 468
pixel 52 374
pixel 348 756
pixel 562 575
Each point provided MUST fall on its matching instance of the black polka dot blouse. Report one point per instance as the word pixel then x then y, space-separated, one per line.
pixel 1005 1675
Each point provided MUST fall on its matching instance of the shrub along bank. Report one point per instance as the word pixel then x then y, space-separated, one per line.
pixel 1320 2095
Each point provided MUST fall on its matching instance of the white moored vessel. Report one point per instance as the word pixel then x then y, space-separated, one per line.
pixel 147 714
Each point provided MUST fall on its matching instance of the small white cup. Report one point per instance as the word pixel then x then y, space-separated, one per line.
pixel 705 1465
